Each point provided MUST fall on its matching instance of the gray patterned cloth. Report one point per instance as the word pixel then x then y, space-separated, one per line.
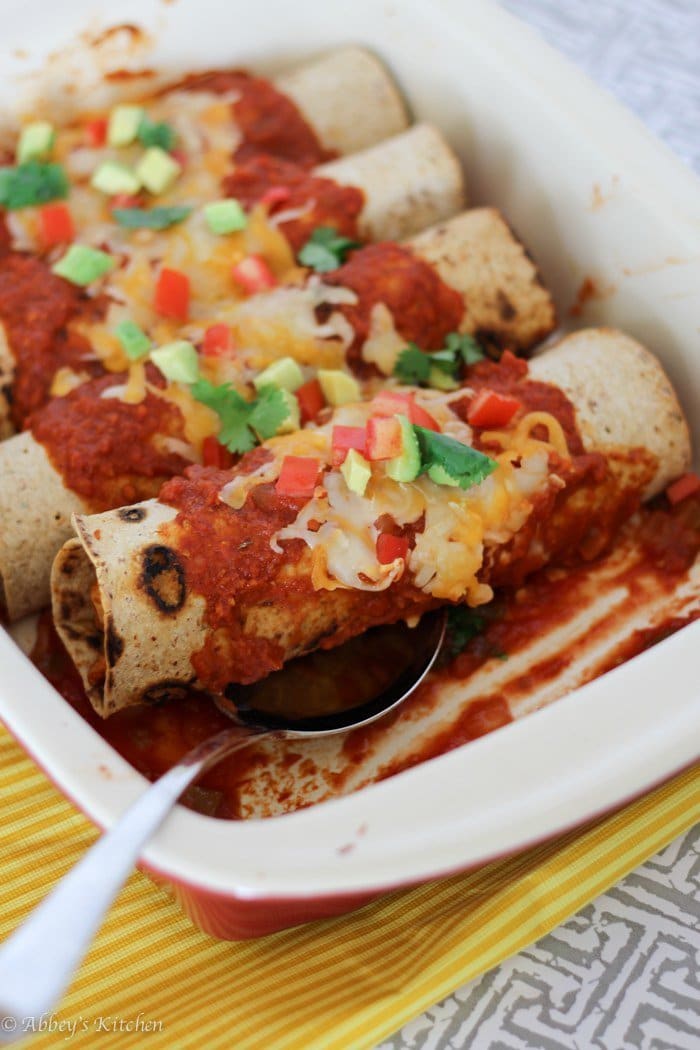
pixel 623 974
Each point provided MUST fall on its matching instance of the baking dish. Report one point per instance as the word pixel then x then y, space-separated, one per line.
pixel 595 198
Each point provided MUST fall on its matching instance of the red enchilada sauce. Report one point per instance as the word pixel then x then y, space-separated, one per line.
pixel 322 202
pixel 106 450
pixel 269 121
pixel 35 308
pixel 424 308
pixel 152 738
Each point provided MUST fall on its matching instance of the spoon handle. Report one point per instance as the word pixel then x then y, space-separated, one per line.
pixel 38 960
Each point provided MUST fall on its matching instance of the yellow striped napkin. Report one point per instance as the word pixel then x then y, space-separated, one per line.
pixel 153 980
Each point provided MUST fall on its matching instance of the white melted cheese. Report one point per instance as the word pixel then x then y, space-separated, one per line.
pixel 340 527
pixel 383 344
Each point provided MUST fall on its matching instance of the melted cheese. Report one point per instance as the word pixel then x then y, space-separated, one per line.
pixel 383 344
pixel 283 322
pixel 66 380
pixel 340 527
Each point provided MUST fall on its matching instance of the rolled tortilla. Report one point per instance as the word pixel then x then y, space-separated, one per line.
pixel 35 511
pixel 348 97
pixel 479 256
pixel 506 264
pixel 154 624
pixel 409 182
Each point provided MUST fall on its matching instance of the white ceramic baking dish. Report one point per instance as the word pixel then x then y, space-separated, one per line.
pixel 593 195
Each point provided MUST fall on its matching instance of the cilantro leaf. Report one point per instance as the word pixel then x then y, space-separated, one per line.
pixel 445 361
pixel 32 183
pixel 466 347
pixel 326 249
pixel 242 422
pixel 233 411
pixel 466 465
pixel 269 411
pixel 463 624
pixel 153 219
pixel 413 365
pixel 152 133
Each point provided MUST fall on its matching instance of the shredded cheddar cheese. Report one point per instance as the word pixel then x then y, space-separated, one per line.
pixel 341 527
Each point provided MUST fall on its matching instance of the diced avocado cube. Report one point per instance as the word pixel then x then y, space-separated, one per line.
pixel 157 170
pixel 440 380
pixel 357 471
pixel 338 387
pixel 82 265
pixel 293 420
pixel 112 178
pixel 133 339
pixel 405 467
pixel 123 126
pixel 225 216
pixel 439 475
pixel 178 361
pixel 36 141
pixel 284 373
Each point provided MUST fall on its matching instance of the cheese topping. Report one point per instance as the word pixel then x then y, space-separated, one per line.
pixel 383 344
pixel 454 526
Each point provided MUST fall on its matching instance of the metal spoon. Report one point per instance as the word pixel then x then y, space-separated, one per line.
pixel 38 960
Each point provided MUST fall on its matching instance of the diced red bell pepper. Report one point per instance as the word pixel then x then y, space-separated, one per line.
pixel 298 476
pixel 686 485
pixel 180 156
pixel 421 418
pixel 276 195
pixel 345 438
pixel 55 225
pixel 311 400
pixel 214 454
pixel 172 297
pixel 491 409
pixel 384 438
pixel 254 275
pixel 389 548
pixel 95 132
pixel 392 402
pixel 218 340
pixel 126 200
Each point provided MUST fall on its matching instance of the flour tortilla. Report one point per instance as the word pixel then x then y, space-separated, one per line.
pixel 477 254
pixel 149 637
pixel 348 97
pixel 409 181
pixel 35 519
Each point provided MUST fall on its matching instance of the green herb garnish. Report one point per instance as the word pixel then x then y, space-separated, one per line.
pixel 243 423
pixel 154 133
pixel 467 346
pixel 326 249
pixel 153 218
pixel 32 183
pixel 414 365
pixel 464 464
pixel 463 624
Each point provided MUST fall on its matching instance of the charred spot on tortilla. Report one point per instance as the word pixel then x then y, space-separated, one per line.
pixel 506 310
pixel 163 578
pixel 164 692
pixel 71 562
pixel 134 514
pixel 114 643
